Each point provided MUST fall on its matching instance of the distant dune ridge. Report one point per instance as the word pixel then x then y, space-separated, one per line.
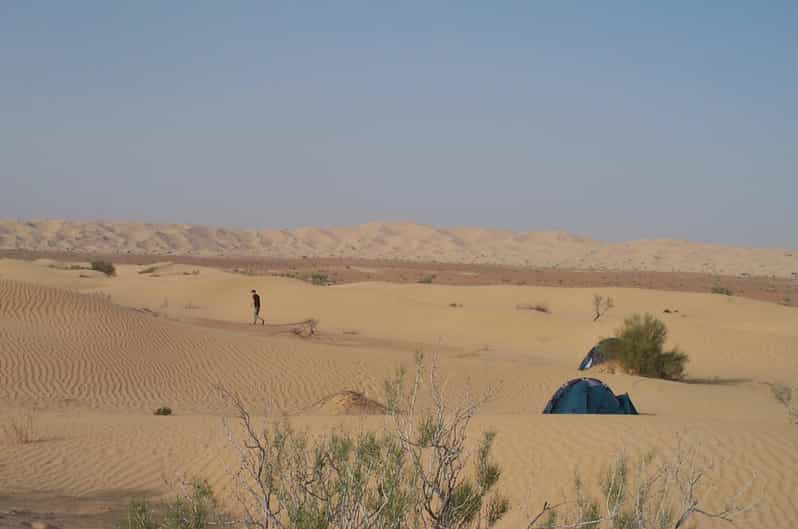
pixel 398 241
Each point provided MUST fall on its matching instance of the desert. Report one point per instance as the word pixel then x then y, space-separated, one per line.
pixel 89 357
pixel 398 265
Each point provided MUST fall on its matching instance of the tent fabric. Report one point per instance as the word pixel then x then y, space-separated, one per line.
pixel 597 355
pixel 589 395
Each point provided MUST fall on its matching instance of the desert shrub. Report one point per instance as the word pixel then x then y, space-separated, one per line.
pixel 106 267
pixel 428 279
pixel 149 270
pixel 783 394
pixel 138 516
pixel 717 289
pixel 21 429
pixel 648 492
pixel 317 278
pixel 195 508
pixel 601 306
pixel 163 410
pixel 639 349
pixel 539 307
pixel 415 474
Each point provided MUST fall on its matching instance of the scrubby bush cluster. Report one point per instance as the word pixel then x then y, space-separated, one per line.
pixel 195 508
pixel 717 289
pixel 415 474
pixel 106 267
pixel 639 348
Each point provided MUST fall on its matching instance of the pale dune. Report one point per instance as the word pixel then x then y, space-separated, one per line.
pixel 96 355
pixel 398 241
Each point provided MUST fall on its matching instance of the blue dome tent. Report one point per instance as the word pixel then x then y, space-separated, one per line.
pixel 589 395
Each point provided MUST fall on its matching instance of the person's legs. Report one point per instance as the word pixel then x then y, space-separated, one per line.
pixel 255 318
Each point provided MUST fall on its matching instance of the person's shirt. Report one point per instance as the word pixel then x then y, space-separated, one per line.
pixel 256 300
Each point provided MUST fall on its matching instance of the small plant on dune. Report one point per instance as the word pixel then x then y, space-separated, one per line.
pixel 539 307
pixel 138 516
pixel 639 349
pixel 717 289
pixel 783 394
pixel 317 278
pixel 648 493
pixel 21 429
pixel 106 267
pixel 163 411
pixel 194 508
pixel 428 279
pixel 601 306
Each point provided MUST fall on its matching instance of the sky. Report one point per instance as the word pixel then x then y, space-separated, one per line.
pixel 616 120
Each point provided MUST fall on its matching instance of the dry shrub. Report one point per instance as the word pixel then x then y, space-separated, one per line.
pixel 667 492
pixel 21 429
pixel 106 267
pixel 539 307
pixel 601 306
pixel 415 474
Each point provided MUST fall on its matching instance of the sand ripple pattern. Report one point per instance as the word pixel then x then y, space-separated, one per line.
pixel 59 346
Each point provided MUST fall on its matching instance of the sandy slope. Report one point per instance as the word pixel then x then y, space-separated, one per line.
pixel 95 368
pixel 405 241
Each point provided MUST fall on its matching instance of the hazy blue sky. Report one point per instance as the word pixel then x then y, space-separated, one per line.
pixel 612 119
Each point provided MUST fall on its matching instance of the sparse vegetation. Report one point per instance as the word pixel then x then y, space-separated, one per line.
pixel 539 307
pixel 149 270
pixel 601 306
pixel 318 278
pixel 639 349
pixel 21 429
pixel 649 493
pixel 783 394
pixel 106 267
pixel 416 474
pixel 163 411
pixel 717 289
pixel 195 508
pixel 428 279
pixel 456 305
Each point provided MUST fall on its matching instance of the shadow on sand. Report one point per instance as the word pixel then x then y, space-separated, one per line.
pixel 718 381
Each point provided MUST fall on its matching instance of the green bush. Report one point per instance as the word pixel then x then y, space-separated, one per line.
pixel 197 509
pixel 317 278
pixel 106 267
pixel 639 349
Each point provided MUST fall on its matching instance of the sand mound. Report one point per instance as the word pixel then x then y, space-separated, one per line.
pixel 348 403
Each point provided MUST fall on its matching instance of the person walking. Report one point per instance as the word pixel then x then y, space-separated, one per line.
pixel 256 308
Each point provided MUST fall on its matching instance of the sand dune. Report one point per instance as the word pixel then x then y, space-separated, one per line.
pixel 95 356
pixel 404 241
